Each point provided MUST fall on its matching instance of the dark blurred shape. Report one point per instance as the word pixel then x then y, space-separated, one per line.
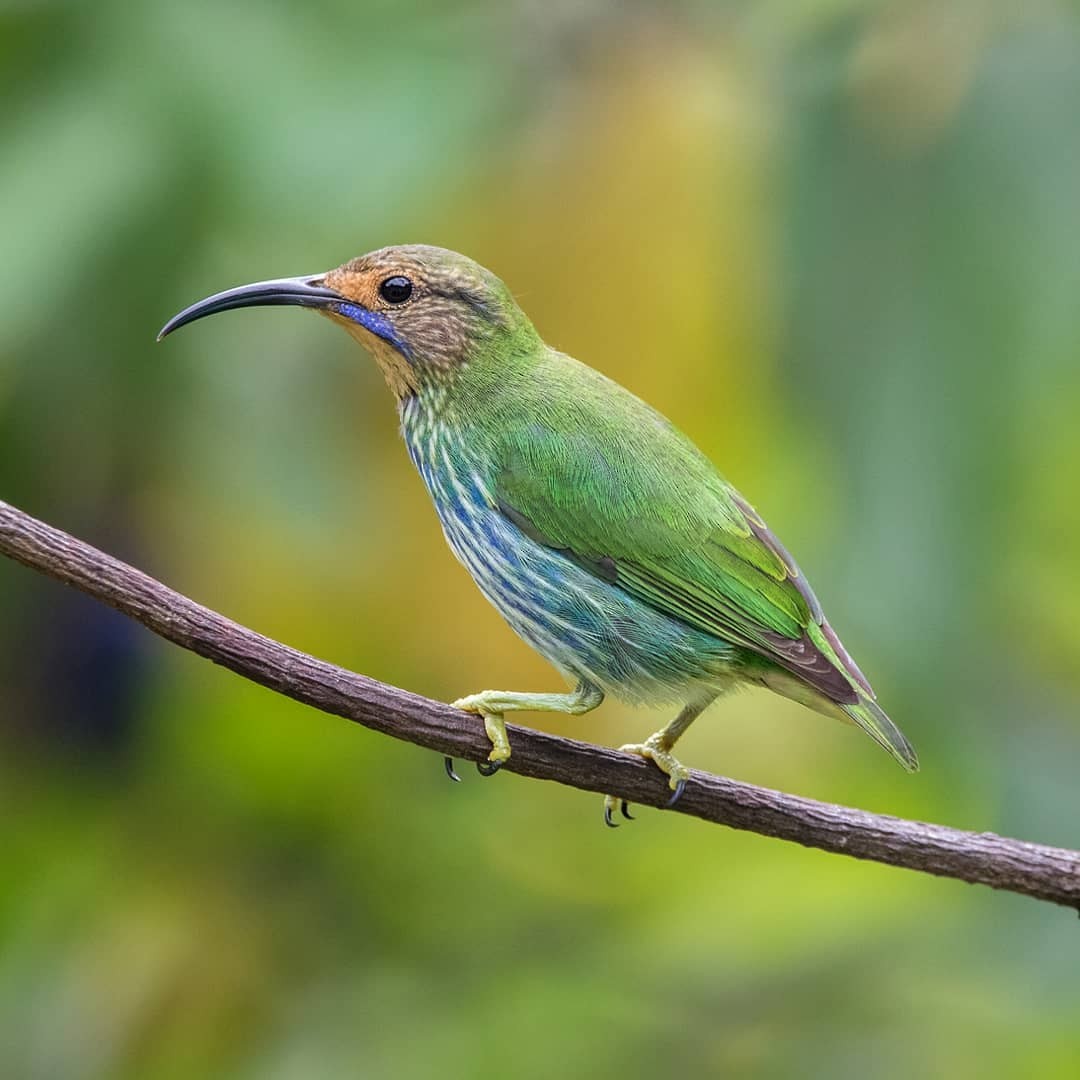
pixel 75 667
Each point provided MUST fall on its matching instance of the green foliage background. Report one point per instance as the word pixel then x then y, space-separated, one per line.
pixel 838 242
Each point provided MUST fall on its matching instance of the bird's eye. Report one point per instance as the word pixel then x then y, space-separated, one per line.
pixel 396 290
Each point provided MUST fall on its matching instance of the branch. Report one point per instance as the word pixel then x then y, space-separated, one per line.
pixel 1046 873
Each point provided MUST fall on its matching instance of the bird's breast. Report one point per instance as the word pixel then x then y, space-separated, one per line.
pixel 581 623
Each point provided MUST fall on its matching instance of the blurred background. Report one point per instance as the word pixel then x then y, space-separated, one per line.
pixel 837 242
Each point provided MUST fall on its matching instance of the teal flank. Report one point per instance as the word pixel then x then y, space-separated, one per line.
pixel 600 532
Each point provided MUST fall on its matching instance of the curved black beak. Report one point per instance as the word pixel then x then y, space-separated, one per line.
pixel 301 291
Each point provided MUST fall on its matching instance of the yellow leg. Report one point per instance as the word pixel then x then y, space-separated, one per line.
pixel 492 704
pixel 657 749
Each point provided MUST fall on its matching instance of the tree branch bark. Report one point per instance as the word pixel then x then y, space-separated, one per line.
pixel 1046 873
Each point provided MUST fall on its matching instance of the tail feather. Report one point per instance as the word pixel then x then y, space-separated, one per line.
pixel 872 719
pixel 866 713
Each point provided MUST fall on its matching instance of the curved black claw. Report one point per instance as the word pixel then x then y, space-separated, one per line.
pixel 680 787
pixel 488 768
pixel 607 818
pixel 448 762
pixel 624 809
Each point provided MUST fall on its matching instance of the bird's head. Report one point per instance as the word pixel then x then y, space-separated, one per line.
pixel 421 311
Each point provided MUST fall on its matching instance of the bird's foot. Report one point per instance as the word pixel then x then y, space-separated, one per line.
pixel 494 725
pixel 657 750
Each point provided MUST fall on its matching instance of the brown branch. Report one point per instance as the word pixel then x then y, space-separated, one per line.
pixel 1046 873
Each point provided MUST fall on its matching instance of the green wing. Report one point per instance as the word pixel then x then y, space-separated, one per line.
pixel 619 490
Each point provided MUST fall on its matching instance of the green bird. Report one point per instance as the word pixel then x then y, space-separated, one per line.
pixel 598 530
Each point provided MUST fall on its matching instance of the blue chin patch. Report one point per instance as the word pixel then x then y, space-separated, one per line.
pixel 377 323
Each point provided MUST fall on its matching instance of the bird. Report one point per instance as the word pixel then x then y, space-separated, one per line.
pixel 605 538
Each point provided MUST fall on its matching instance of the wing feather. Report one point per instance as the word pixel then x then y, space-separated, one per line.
pixel 720 570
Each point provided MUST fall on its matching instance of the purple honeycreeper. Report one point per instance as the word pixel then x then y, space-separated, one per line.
pixel 603 536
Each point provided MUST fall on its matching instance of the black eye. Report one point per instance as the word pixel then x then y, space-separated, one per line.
pixel 396 290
